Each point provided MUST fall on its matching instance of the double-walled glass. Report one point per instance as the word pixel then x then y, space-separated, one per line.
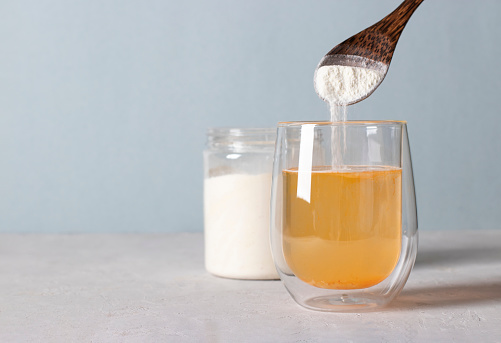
pixel 343 213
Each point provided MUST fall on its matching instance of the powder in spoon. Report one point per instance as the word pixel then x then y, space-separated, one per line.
pixel 342 85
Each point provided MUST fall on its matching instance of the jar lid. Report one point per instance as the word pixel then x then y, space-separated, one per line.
pixel 242 131
pixel 241 139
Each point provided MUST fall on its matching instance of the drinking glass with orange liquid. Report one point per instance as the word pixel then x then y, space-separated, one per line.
pixel 343 213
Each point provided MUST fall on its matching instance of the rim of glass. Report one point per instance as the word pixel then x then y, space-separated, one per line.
pixel 348 122
pixel 241 131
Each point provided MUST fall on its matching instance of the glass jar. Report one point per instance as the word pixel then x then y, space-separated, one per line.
pixel 237 185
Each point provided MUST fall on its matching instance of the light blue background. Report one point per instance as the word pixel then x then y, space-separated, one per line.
pixel 104 104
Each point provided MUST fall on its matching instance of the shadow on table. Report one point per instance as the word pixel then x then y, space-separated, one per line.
pixel 451 295
pixel 457 256
pixel 484 290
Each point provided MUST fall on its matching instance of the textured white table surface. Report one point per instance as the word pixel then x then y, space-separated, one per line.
pixel 153 288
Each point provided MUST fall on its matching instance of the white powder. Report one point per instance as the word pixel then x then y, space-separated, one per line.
pixel 237 220
pixel 343 85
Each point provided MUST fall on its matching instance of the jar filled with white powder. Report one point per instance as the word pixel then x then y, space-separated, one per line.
pixel 237 183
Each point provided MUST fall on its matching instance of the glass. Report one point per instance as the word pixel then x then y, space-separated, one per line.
pixel 237 182
pixel 343 213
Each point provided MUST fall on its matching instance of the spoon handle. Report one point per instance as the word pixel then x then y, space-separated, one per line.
pixel 393 24
pixel 378 41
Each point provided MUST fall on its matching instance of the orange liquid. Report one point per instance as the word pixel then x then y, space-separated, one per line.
pixel 348 235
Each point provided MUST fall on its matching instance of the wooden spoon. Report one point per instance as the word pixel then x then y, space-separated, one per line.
pixel 373 47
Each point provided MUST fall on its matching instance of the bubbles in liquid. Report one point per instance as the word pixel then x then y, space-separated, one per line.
pixel 347 234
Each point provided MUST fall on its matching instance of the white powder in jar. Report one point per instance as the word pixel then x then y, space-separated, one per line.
pixel 237 220
pixel 342 85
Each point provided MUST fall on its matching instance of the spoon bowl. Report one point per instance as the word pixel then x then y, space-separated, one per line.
pixel 367 55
